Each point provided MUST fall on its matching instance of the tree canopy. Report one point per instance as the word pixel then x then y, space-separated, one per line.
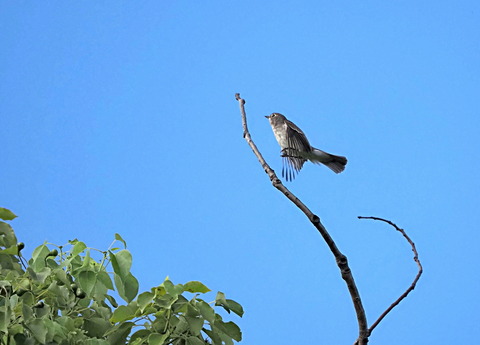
pixel 67 294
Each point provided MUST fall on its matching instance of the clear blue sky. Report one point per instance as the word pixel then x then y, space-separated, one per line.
pixel 120 117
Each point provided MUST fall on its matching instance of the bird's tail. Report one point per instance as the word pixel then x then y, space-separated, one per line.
pixel 335 163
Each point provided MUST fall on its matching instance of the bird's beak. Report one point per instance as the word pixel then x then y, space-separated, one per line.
pixel 267 116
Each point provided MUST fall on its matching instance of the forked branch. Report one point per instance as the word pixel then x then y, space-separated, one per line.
pixel 363 330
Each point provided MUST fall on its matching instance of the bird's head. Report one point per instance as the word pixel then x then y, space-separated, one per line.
pixel 275 117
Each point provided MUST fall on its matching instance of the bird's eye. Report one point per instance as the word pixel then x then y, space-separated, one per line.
pixel 273 115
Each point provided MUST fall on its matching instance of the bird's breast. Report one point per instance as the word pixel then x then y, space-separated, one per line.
pixel 281 137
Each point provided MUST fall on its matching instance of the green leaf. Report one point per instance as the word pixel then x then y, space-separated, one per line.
pixel 4 319
pixel 66 322
pixel 38 329
pixel 43 310
pixel 112 301
pixel 96 327
pixel 99 291
pixel 104 277
pixel 195 323
pixel 23 283
pixel 123 313
pixel 12 250
pixel 131 287
pixel 157 338
pixel 39 275
pixel 61 294
pixel 10 262
pixel 192 309
pixel 5 284
pixel 7 236
pixel 121 262
pixel 51 263
pixel 102 309
pixel 140 335
pixel 180 305
pixel 194 341
pixel 207 312
pixel 136 341
pixel 228 304
pixel 235 307
pixel 214 336
pixel 181 326
pixel 144 299
pixel 87 280
pixel 169 287
pixel 86 259
pixel 13 301
pixel 15 329
pixel 119 333
pixel 127 287
pixel 195 286
pixel 119 238
pixel 28 299
pixel 27 311
pixel 221 301
pixel 160 323
pixel 78 248
pixel 6 214
pixel 229 328
pixel 55 331
pixel 38 257
pixel 226 340
pixel 158 291
pixel 165 301
pixel 61 276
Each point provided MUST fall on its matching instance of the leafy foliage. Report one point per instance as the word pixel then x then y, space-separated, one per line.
pixel 66 296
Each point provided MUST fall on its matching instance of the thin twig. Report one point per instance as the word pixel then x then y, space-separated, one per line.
pixel 339 257
pixel 414 283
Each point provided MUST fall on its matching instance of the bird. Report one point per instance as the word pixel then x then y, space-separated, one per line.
pixel 296 149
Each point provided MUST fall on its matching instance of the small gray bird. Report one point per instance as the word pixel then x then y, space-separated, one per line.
pixel 296 149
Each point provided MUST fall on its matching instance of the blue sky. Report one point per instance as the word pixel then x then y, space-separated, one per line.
pixel 120 117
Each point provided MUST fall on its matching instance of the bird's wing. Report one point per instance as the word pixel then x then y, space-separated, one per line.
pixel 291 166
pixel 297 142
pixel 296 139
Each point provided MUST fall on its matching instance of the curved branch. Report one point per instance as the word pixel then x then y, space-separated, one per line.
pixel 339 257
pixel 414 283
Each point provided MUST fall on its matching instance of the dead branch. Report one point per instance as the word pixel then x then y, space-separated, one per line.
pixel 414 283
pixel 339 257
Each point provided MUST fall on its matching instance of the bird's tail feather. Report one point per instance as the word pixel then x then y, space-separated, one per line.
pixel 335 163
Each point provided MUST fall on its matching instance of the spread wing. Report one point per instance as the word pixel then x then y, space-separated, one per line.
pixel 296 139
pixel 292 159
pixel 291 167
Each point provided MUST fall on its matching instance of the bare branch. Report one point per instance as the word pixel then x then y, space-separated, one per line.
pixel 339 257
pixel 414 283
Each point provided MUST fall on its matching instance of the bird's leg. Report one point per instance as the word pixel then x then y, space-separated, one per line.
pixel 288 152
pixel 285 152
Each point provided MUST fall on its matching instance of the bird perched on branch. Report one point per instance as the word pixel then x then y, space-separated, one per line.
pixel 296 149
